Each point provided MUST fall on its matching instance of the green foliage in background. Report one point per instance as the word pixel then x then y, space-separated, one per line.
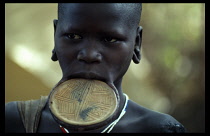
pixel 173 45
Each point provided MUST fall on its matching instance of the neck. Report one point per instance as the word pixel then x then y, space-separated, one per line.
pixel 118 85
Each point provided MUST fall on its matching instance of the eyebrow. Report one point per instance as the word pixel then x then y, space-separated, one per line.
pixel 69 28
pixel 110 31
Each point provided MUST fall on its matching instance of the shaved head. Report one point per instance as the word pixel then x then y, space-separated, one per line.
pixel 130 11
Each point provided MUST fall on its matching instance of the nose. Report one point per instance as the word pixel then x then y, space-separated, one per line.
pixel 89 55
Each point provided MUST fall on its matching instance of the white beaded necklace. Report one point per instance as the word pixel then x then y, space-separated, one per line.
pixel 111 126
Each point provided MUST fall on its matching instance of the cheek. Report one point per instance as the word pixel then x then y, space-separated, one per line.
pixel 125 63
pixel 65 56
pixel 121 59
pixel 64 49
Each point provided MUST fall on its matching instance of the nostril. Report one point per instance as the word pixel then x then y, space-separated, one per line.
pixel 80 56
pixel 89 57
pixel 98 57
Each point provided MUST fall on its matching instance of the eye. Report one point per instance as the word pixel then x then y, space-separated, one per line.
pixel 74 36
pixel 110 39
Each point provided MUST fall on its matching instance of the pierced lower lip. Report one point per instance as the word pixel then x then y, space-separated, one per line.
pixel 92 76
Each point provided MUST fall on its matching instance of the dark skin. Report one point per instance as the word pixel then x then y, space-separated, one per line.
pixel 98 45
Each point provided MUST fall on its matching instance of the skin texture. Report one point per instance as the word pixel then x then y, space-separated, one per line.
pixel 98 42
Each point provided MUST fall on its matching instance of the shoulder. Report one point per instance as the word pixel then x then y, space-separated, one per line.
pixel 13 122
pixel 150 121
pixel 164 123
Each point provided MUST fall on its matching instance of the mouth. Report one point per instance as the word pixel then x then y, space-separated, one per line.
pixel 87 75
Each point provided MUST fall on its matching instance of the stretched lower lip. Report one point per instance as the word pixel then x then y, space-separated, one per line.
pixel 89 75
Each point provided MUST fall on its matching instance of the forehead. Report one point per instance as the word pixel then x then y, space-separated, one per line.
pixel 114 9
pixel 106 13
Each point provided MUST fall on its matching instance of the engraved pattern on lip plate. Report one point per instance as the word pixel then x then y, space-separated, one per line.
pixel 83 102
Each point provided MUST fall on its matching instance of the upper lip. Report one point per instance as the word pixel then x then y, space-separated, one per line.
pixel 87 75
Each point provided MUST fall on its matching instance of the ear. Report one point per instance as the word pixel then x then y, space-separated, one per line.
pixel 54 55
pixel 137 47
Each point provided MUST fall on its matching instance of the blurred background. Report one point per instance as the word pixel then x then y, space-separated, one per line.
pixel 170 77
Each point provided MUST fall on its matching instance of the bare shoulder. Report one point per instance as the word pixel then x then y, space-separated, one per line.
pixel 13 122
pixel 148 121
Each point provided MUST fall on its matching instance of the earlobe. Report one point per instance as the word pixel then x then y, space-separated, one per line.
pixel 55 21
pixel 136 57
pixel 54 56
pixel 137 48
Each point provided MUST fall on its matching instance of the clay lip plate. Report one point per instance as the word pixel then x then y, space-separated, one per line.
pixel 83 101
